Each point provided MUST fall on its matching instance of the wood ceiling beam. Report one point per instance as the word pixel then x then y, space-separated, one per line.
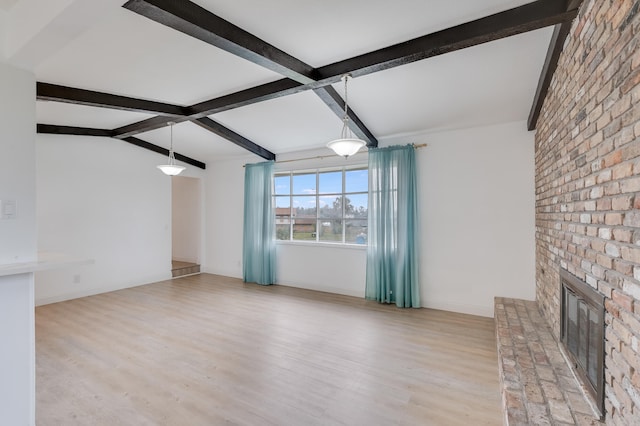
pixel 528 17
pixel 146 125
pixel 164 151
pixel 53 129
pixel 560 33
pixel 574 4
pixel 193 20
pixel 521 19
pixel 230 135
pixel 264 92
pixel 204 122
pixel 72 95
pixel 52 92
pixel 334 101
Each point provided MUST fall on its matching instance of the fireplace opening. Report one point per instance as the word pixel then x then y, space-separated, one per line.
pixel 582 334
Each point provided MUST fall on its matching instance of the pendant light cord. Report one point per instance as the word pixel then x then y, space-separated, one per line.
pixel 172 158
pixel 346 97
pixel 346 132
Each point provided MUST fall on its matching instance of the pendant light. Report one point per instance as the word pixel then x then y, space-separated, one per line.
pixel 171 169
pixel 348 144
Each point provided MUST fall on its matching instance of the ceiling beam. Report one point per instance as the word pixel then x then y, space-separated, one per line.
pixel 191 19
pixel 574 4
pixel 72 95
pixel 241 141
pixel 53 129
pixel 164 151
pixel 52 92
pixel 334 101
pixel 531 16
pixel 264 92
pixel 560 33
pixel 146 125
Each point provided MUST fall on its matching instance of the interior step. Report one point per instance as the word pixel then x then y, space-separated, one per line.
pixel 180 269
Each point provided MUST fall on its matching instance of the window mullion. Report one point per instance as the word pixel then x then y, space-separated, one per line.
pixel 317 205
pixel 290 206
pixel 303 197
pixel 344 201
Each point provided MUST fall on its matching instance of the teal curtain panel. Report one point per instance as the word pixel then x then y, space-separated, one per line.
pixel 392 253
pixel 259 243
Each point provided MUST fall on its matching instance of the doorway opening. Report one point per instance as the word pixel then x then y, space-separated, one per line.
pixel 185 225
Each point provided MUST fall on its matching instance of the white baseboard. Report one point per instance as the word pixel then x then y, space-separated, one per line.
pixel 461 308
pixel 334 290
pixel 97 290
pixel 225 273
pixel 483 311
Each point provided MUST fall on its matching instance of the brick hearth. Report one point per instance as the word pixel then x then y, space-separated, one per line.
pixel 538 387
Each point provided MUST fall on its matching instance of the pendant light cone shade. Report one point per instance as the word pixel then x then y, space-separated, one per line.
pixel 171 169
pixel 347 145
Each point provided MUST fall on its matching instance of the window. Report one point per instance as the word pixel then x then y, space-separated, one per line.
pixel 328 206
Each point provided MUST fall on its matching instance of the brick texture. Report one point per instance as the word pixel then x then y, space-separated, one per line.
pixel 588 187
pixel 538 387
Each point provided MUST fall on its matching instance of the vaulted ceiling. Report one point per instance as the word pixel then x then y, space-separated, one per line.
pixel 264 76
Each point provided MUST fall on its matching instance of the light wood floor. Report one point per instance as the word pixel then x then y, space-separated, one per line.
pixel 210 350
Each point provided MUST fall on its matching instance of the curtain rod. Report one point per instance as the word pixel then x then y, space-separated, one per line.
pixel 320 157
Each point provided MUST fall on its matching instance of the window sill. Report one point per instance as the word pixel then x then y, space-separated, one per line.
pixel 362 247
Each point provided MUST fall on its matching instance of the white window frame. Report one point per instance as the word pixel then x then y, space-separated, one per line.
pixel 318 195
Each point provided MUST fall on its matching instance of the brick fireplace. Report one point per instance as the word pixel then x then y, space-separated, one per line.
pixel 582 334
pixel 588 188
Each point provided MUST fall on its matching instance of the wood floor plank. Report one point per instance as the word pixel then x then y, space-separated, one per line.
pixel 209 350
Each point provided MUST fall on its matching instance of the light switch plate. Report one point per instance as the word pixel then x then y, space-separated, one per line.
pixel 8 209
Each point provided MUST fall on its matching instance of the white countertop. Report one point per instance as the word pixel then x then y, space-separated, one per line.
pixel 45 261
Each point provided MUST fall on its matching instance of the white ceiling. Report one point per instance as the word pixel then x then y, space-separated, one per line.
pixel 124 53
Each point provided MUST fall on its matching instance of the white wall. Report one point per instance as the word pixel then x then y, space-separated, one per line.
pixel 477 208
pixel 17 174
pixel 103 199
pixel 17 244
pixel 224 200
pixel 3 25
pixel 186 218
pixel 477 211
pixel 338 270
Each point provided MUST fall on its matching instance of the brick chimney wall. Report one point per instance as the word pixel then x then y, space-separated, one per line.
pixel 588 186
